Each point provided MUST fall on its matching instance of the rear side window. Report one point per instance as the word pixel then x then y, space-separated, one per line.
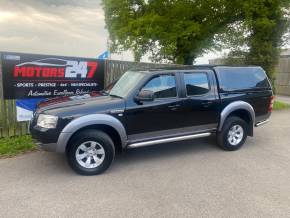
pixel 196 83
pixel 237 78
pixel 163 86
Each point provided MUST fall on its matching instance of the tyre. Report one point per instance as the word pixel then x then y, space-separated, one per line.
pixel 233 134
pixel 90 152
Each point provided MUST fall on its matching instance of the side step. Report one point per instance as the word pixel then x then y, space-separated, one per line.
pixel 262 123
pixel 167 140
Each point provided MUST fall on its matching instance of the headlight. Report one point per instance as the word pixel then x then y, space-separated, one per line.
pixel 47 121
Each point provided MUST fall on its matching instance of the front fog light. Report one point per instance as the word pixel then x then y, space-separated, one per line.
pixel 47 121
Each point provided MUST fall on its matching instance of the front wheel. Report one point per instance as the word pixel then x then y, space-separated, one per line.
pixel 233 134
pixel 90 152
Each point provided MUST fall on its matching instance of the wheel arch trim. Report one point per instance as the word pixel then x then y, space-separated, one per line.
pixel 234 106
pixel 88 120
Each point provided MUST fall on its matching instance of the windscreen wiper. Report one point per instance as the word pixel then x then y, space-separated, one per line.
pixel 117 96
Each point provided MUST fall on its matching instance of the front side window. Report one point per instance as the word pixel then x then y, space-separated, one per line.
pixel 163 86
pixel 196 83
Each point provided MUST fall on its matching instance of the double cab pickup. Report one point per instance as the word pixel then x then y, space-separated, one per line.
pixel 148 107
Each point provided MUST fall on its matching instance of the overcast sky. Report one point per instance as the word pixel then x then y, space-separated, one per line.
pixel 57 27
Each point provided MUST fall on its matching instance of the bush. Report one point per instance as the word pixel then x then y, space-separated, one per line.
pixel 278 105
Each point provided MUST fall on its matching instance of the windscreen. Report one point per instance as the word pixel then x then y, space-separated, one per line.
pixel 239 78
pixel 126 83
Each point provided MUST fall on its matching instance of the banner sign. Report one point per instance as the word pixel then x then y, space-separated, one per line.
pixel 26 107
pixel 45 76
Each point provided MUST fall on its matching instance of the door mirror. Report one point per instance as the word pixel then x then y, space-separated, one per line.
pixel 144 95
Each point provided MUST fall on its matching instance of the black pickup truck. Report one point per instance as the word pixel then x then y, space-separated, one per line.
pixel 155 106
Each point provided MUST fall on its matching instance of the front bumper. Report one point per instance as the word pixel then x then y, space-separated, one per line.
pixel 44 139
pixel 58 146
pixel 43 135
pixel 50 139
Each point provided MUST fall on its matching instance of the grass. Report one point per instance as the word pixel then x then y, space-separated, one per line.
pixel 16 145
pixel 278 105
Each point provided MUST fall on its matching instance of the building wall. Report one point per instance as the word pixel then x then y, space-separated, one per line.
pixel 282 82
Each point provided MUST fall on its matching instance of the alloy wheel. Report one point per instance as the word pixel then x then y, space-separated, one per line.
pixel 90 154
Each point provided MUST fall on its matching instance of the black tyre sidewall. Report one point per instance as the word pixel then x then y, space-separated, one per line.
pixel 91 135
pixel 222 137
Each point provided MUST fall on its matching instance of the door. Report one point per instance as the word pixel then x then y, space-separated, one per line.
pixel 201 103
pixel 148 120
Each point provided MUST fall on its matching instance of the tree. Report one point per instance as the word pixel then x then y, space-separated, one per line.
pixel 174 30
pixel 181 30
pixel 267 21
pixel 256 39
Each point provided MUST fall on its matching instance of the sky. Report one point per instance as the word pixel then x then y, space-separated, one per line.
pixel 58 27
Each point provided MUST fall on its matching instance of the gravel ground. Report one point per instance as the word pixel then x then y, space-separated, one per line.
pixel 187 179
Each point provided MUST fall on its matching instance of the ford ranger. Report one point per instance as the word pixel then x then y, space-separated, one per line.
pixel 148 107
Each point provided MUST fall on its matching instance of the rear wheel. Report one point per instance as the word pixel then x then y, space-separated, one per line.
pixel 90 152
pixel 233 134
